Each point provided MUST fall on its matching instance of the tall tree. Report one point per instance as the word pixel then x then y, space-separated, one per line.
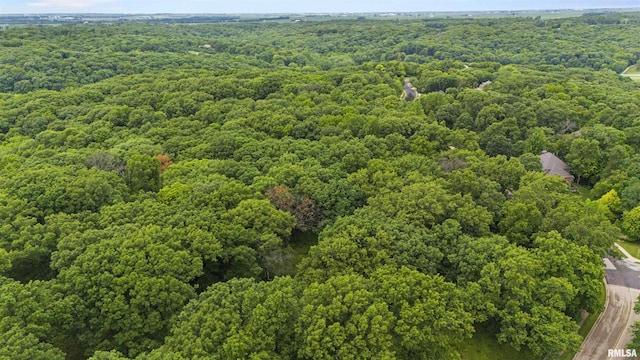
pixel 143 173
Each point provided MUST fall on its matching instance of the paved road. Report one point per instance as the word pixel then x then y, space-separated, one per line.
pixel 625 272
pixel 608 332
pixel 625 339
pixel 613 329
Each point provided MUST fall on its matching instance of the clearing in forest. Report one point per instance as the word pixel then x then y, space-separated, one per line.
pixel 633 72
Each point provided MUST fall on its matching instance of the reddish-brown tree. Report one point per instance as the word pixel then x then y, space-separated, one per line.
pixel 165 162
pixel 300 206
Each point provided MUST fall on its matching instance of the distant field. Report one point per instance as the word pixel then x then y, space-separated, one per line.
pixel 57 19
pixel 543 14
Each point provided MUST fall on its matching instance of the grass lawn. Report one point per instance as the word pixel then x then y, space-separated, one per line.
pixel 633 72
pixel 634 77
pixel 635 69
pixel 484 346
pixel 632 248
pixel 591 319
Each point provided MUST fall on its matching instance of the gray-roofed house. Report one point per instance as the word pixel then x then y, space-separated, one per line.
pixel 552 165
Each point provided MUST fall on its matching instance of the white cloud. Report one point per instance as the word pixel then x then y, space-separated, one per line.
pixel 69 4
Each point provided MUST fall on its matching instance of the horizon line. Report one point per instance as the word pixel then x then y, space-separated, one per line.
pixel 326 12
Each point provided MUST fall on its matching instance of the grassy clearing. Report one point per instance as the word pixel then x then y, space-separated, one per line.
pixel 632 70
pixel 286 262
pixel 484 346
pixel 632 248
pixel 634 77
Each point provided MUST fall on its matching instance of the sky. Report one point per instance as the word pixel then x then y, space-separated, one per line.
pixel 293 6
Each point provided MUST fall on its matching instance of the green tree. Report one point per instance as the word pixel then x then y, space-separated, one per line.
pixel 142 173
pixel 488 115
pixel 537 140
pixel 431 313
pixel 631 223
pixel 236 319
pixel 142 275
pixel 584 158
pixel 530 162
pixel 32 317
pixel 527 316
pixel 577 264
pixel 520 221
pixel 343 318
pixel 613 203
pixel 108 355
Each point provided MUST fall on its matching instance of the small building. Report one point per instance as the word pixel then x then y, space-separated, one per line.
pixel 553 165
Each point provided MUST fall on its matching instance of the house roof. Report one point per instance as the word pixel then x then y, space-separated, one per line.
pixel 552 165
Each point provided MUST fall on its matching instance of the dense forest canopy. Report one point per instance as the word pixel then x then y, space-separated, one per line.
pixel 263 191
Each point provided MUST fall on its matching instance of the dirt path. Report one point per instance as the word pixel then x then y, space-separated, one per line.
pixel 627 69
